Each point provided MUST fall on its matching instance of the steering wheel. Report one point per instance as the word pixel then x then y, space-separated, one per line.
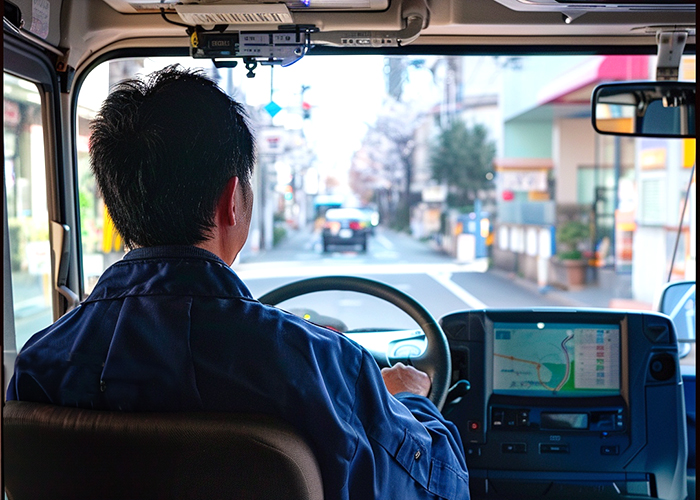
pixel 435 361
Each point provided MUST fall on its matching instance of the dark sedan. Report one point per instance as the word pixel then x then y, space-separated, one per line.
pixel 345 227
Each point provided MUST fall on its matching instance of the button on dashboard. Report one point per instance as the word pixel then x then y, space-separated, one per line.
pixel 609 450
pixel 554 448
pixel 523 418
pixel 514 448
pixel 474 451
pixel 498 417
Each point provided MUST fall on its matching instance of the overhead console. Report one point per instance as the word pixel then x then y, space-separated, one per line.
pixel 288 44
pixel 569 404
pixel 273 33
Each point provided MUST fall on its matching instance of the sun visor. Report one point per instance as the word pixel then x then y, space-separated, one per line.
pixel 571 9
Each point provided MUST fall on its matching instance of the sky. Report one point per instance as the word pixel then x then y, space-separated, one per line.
pixel 345 94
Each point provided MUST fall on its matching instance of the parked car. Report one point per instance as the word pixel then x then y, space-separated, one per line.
pixel 345 227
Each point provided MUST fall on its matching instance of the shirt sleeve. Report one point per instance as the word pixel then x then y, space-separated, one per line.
pixel 11 394
pixel 409 445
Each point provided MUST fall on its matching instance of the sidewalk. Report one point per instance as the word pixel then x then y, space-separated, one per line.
pixel 612 290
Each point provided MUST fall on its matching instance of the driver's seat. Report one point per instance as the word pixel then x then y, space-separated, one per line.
pixel 57 452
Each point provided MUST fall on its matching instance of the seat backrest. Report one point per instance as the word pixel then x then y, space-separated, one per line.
pixel 57 452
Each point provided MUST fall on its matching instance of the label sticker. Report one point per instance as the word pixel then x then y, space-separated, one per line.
pixel 40 18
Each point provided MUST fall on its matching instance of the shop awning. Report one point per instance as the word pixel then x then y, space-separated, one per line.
pixel 576 85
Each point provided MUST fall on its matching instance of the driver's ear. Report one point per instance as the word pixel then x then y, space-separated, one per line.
pixel 227 207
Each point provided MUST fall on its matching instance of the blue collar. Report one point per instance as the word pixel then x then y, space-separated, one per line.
pixel 176 251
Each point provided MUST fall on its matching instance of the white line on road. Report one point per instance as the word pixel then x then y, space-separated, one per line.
pixel 384 241
pixel 445 280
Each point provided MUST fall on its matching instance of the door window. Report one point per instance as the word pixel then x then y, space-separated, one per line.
pixel 27 210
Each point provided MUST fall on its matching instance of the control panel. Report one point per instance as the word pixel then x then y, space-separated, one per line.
pixel 565 404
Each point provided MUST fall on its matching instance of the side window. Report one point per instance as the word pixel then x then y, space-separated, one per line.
pixel 27 211
pixel 101 244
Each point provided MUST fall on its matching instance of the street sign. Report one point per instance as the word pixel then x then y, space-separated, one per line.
pixel 273 108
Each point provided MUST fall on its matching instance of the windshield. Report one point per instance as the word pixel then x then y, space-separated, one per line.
pixel 478 182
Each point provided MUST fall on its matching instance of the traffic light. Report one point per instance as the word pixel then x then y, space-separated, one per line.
pixel 288 192
pixel 306 110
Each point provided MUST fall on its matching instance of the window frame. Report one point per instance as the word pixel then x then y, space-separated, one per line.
pixel 27 61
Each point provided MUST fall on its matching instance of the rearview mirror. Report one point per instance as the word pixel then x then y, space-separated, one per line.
pixel 678 302
pixel 645 109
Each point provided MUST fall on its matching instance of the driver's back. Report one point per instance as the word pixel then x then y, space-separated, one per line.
pixel 174 329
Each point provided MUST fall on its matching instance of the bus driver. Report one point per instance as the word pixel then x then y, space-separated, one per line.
pixel 171 327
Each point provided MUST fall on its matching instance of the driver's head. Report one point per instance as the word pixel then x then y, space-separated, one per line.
pixel 163 149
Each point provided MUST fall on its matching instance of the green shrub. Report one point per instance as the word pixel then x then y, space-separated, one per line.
pixel 570 255
pixel 278 234
pixel 17 242
pixel 570 235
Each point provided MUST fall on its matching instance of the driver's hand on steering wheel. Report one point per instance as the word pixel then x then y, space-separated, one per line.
pixel 402 378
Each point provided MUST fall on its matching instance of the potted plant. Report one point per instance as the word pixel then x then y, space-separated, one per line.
pixel 570 236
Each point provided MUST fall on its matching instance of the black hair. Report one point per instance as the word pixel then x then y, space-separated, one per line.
pixel 163 149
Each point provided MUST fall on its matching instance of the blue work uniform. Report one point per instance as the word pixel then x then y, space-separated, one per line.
pixel 175 329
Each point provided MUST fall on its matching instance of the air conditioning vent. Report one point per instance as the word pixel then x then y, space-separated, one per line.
pixel 153 6
pixel 234 14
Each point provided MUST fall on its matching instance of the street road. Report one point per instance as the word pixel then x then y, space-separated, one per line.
pixel 436 280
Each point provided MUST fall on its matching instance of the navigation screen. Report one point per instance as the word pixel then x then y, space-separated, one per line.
pixel 559 359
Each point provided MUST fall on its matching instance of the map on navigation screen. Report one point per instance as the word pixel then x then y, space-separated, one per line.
pixel 540 359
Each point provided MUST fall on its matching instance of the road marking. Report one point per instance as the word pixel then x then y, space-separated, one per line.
pixel 445 279
pixel 384 241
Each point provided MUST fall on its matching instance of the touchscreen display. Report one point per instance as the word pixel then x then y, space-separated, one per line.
pixel 557 359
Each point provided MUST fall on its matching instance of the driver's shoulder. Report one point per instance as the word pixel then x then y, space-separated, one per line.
pixel 289 327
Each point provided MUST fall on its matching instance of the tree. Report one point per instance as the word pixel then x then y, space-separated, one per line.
pixel 381 169
pixel 462 158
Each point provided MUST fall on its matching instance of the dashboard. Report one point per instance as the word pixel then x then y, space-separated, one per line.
pixel 568 404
